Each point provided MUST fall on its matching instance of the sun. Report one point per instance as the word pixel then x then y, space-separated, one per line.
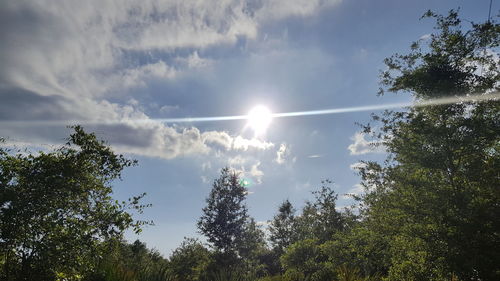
pixel 259 119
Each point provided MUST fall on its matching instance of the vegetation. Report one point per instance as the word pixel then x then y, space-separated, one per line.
pixel 429 212
pixel 56 209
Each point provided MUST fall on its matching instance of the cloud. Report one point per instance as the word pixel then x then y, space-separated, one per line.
pixel 283 154
pixel 78 47
pixel 168 108
pixel 425 37
pixel 195 61
pixel 206 166
pixel 247 167
pixel 356 166
pixel 315 156
pixel 263 224
pixel 224 140
pixel 256 173
pixel 154 140
pixel 240 143
pixel 78 60
pixel 157 140
pixel 221 139
pixel 363 146
pixel 236 161
pixel 356 190
pixel 137 76
pixel 277 9
pixel 125 127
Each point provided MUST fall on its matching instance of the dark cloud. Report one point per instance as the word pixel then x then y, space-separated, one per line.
pixel 21 105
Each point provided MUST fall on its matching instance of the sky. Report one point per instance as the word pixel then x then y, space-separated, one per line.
pixel 118 66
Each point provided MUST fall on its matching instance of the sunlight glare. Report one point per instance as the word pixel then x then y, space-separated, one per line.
pixel 259 119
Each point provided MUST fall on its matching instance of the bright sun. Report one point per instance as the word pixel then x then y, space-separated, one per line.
pixel 259 119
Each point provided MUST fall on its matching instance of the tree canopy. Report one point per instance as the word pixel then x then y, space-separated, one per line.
pixel 436 197
pixel 224 218
pixel 56 208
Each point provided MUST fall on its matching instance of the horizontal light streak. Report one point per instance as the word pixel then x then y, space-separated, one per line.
pixel 440 101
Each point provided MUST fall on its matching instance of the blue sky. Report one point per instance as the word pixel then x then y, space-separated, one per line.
pixel 108 64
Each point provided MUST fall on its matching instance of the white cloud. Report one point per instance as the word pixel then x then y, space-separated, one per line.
pixel 236 161
pixel 168 108
pixel 70 59
pixel 222 139
pixel 315 156
pixel 206 166
pixel 195 61
pixel 247 167
pixel 356 166
pixel 170 142
pixel 283 154
pixel 356 190
pixel 137 76
pixel 425 37
pixel 256 173
pixel 154 140
pixel 129 130
pixel 276 9
pixel 240 143
pixel 25 147
pixel 77 47
pixel 363 146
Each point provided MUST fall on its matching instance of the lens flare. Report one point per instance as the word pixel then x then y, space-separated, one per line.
pixel 259 119
pixel 262 116
pixel 245 182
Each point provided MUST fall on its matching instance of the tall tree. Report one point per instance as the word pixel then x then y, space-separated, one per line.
pixel 253 250
pixel 56 208
pixel 282 227
pixel 437 195
pixel 320 218
pixel 225 215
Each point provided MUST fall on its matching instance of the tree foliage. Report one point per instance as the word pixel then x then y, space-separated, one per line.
pixel 225 215
pixel 190 260
pixel 437 195
pixel 282 228
pixel 453 62
pixel 320 218
pixel 56 208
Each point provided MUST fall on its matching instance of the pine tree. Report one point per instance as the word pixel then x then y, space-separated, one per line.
pixel 225 215
pixel 282 226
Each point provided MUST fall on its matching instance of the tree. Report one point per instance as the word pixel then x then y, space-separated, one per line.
pixel 282 227
pixel 359 248
pixel 253 250
pixel 437 195
pixel 56 208
pixel 123 261
pixel 189 260
pixel 320 218
pixel 224 218
pixel 304 260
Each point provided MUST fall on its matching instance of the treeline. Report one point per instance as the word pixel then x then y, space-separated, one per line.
pixel 429 212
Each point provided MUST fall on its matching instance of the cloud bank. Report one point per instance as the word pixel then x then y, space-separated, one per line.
pixel 80 60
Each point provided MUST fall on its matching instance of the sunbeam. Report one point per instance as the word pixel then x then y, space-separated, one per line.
pixel 423 103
